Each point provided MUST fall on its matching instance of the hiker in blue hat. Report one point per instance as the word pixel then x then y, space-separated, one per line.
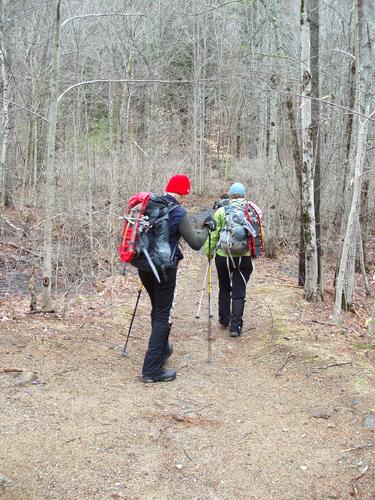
pixel 224 200
pixel 236 240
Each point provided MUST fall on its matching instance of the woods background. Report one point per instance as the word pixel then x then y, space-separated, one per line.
pixel 277 95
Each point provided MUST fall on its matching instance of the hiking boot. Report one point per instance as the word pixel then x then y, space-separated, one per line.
pixel 223 326
pixel 163 376
pixel 168 354
pixel 235 332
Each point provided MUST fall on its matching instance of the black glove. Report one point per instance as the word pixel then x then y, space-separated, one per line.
pixel 210 223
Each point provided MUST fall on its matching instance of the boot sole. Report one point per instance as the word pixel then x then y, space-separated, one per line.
pixel 234 334
pixel 153 381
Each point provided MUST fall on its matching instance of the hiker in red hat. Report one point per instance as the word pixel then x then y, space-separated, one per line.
pixel 162 293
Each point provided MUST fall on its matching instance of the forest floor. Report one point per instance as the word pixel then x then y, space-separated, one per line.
pixel 287 411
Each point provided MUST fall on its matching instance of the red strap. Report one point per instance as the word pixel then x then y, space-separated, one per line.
pixel 255 208
pixel 251 239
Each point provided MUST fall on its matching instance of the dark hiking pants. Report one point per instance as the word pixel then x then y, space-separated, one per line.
pixel 161 295
pixel 232 289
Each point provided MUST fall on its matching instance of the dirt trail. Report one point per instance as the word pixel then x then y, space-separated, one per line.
pixel 268 419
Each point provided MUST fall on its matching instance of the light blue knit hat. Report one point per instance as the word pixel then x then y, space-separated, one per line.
pixel 237 188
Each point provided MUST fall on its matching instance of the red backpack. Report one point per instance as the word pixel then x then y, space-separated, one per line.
pixel 133 218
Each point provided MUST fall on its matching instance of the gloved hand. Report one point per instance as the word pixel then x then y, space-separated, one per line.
pixel 210 223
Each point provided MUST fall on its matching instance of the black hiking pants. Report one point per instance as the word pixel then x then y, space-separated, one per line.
pixel 233 279
pixel 161 296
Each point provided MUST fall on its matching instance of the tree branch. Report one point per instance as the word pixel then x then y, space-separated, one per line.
pixel 23 249
pixel 321 100
pixel 104 14
pixel 90 82
pixel 24 108
pixel 214 8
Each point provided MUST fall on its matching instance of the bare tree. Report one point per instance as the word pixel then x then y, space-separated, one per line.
pixel 315 131
pixel 51 142
pixel 308 212
pixel 365 35
pixel 6 101
pixel 50 166
pixel 371 325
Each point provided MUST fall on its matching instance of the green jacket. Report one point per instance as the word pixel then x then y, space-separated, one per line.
pixel 219 217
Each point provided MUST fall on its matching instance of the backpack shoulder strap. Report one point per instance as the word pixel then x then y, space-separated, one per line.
pixel 172 206
pixel 169 208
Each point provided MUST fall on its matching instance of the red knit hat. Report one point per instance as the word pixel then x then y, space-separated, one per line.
pixel 179 184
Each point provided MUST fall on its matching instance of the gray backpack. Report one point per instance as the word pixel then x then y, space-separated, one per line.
pixel 242 231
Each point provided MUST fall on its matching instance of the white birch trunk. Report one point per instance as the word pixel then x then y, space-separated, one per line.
pixel 196 108
pixel 5 110
pixel 308 212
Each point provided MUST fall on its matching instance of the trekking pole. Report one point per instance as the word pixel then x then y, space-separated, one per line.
pixel 209 276
pixel 124 353
pixel 202 292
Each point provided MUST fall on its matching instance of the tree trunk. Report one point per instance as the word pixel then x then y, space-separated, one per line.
pixel 365 34
pixel 315 130
pixel 296 155
pixel 272 130
pixel 6 108
pixel 50 167
pixel 90 200
pixel 361 259
pixel 346 188
pixel 353 215
pixel 351 144
pixel 308 212
pixel 371 326
pixel 363 220
pixel 199 48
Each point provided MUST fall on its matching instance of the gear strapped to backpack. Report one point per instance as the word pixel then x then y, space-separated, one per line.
pixel 242 231
pixel 145 237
